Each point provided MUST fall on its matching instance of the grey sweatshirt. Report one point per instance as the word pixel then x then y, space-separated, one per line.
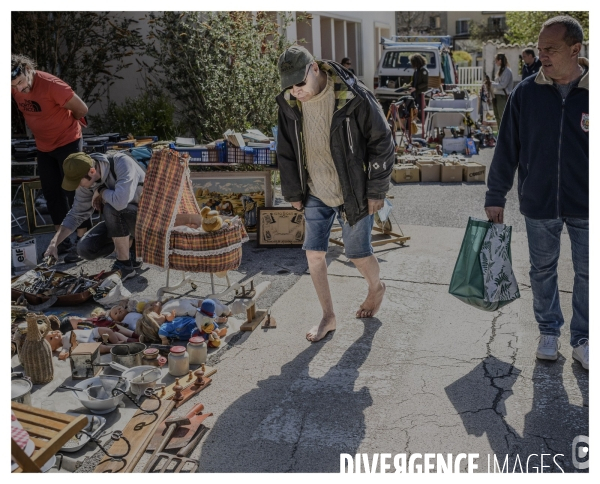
pixel 119 193
pixel 504 82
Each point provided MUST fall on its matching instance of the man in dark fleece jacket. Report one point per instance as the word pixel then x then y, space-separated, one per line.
pixel 545 135
pixel 335 153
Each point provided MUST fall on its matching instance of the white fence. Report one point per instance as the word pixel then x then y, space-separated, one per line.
pixel 470 77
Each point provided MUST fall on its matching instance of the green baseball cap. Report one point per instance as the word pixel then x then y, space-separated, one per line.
pixel 292 65
pixel 75 167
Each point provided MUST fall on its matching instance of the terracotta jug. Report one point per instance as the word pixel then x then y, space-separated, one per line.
pixel 36 353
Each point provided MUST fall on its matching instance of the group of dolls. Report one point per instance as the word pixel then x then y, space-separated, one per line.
pixel 145 321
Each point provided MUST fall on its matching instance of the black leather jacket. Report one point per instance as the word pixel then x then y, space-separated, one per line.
pixel 361 142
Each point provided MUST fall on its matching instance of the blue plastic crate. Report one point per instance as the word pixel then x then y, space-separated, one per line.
pixel 262 156
pixel 204 155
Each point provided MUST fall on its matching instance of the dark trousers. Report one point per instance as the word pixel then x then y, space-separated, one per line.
pixel 51 176
pixel 98 242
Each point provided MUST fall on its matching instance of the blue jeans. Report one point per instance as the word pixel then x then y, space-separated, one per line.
pixel 319 220
pixel 98 241
pixel 544 250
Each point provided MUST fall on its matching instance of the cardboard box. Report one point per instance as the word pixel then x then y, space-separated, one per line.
pixel 405 173
pixel 24 255
pixel 430 171
pixel 452 173
pixel 473 172
pixel 451 145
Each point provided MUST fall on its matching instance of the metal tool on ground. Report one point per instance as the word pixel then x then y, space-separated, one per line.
pixel 172 424
pixel 183 435
pixel 148 393
pixel 184 452
pixel 163 461
pixel 139 431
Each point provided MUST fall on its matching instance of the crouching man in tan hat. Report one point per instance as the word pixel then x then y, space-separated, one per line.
pixel 111 184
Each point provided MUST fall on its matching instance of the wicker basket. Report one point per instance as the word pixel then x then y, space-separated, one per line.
pixel 36 353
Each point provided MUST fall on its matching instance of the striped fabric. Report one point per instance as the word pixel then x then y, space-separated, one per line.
pixel 167 192
pixel 209 252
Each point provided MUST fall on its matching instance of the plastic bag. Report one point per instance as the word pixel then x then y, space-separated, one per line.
pixel 498 276
pixel 111 291
pixel 467 283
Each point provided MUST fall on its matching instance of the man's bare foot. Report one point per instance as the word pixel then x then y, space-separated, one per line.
pixel 369 308
pixel 320 330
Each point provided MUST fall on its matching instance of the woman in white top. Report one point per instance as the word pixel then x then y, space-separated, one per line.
pixel 501 86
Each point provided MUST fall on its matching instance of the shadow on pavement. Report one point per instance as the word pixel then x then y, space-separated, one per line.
pixel 294 422
pixel 550 426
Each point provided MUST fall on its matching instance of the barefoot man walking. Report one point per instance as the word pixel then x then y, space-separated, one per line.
pixel 335 154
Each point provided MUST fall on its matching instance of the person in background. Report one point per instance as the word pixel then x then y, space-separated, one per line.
pixel 501 86
pixel 531 64
pixel 545 136
pixel 420 78
pixel 55 114
pixel 347 63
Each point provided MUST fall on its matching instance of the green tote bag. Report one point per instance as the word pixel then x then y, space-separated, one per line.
pixel 467 283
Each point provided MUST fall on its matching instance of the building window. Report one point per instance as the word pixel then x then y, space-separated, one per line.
pixel 435 22
pixel 497 23
pixel 462 26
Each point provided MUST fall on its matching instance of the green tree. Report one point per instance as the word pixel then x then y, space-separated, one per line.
pixel 482 31
pixel 85 49
pixel 150 113
pixel 220 67
pixel 524 27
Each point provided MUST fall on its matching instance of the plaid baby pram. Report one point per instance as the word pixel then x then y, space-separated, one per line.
pixel 168 192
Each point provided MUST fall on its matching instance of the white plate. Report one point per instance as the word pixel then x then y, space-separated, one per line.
pixel 94 426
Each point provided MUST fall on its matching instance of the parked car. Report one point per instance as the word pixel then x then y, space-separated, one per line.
pixel 395 71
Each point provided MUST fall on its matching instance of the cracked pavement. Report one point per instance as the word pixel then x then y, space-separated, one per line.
pixel 427 374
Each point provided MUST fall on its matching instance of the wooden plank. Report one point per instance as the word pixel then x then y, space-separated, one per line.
pixel 138 431
pixel 256 320
pixel 39 443
pixel 29 410
pixel 21 458
pixel 192 390
pixel 39 421
pixel 185 381
pixel 394 240
pixel 38 431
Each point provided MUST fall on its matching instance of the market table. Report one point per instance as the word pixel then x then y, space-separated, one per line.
pixel 440 117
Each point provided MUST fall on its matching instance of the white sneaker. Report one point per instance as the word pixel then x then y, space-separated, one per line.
pixel 582 354
pixel 547 348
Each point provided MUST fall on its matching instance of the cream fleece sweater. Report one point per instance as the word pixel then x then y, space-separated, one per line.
pixel 323 180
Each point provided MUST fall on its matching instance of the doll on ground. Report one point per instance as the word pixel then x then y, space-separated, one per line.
pixel 150 322
pixel 184 327
pixel 69 326
pixel 99 319
pixel 189 307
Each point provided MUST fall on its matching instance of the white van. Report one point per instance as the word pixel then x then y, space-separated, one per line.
pixel 394 68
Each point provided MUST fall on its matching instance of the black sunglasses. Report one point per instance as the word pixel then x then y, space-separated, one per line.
pixel 16 72
pixel 303 83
